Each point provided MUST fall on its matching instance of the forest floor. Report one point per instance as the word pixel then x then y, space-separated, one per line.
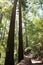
pixel 29 61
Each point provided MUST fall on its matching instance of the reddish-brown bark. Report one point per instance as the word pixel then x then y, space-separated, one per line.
pixel 20 48
pixel 9 60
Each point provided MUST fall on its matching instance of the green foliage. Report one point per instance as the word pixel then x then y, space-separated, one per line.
pixel 32 27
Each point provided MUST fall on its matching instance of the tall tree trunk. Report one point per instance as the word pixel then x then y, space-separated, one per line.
pixel 9 60
pixel 26 35
pixel 20 48
pixel 1 18
pixel 26 41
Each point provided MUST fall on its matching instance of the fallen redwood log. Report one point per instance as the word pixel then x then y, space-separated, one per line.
pixel 29 61
pixel 25 61
pixel 35 62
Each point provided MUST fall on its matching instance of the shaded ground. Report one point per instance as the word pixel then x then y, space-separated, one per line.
pixel 28 61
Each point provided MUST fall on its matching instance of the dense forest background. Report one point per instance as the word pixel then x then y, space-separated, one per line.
pixel 32 27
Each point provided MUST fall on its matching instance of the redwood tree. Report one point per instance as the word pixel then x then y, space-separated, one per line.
pixel 26 35
pixel 20 48
pixel 9 60
pixel 1 18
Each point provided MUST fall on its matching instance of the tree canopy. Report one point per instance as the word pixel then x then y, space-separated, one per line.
pixel 32 27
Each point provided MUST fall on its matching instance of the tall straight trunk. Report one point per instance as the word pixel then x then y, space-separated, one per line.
pixel 26 35
pixel 1 18
pixel 20 48
pixel 9 60
pixel 26 41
